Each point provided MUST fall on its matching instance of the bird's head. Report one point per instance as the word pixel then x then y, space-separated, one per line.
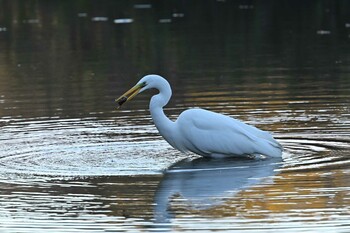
pixel 147 82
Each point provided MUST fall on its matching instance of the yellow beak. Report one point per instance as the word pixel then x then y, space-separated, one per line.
pixel 129 95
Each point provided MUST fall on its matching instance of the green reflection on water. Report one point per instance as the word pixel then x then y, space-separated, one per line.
pixel 56 54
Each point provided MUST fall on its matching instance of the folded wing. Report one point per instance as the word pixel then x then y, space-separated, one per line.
pixel 208 133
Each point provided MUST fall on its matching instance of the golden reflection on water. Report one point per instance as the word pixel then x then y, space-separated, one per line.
pixel 132 197
pixel 321 194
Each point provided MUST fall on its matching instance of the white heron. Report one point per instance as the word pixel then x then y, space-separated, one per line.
pixel 203 132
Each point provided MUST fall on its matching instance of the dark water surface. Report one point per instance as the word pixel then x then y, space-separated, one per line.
pixel 70 161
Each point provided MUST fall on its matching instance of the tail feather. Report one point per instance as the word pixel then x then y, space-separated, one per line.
pixel 269 148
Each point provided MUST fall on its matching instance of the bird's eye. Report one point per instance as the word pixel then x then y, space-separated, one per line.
pixel 143 84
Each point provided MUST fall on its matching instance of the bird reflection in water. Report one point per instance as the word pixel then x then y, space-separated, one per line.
pixel 205 183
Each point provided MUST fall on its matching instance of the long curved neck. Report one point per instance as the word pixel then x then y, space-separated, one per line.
pixel 162 122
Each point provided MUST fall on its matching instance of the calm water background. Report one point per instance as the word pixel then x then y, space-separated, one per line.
pixel 70 161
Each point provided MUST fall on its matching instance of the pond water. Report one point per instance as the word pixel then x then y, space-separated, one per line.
pixel 70 161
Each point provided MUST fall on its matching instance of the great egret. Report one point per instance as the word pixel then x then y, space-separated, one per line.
pixel 203 132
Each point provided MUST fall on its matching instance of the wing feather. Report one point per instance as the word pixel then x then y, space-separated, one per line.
pixel 206 133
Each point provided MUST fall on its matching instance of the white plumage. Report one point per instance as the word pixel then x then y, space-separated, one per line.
pixel 203 132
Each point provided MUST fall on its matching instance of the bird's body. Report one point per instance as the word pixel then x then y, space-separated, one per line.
pixel 203 132
pixel 227 136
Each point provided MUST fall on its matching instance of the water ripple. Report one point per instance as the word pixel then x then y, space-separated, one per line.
pixel 82 147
